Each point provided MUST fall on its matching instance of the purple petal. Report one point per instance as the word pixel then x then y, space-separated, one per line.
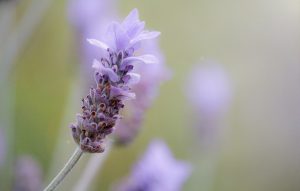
pixel 122 94
pixel 144 36
pixel 135 29
pixel 98 43
pixel 79 118
pixel 146 59
pixel 117 37
pixel 134 78
pixel 105 71
pixel 132 18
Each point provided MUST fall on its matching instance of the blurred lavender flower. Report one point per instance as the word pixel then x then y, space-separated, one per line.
pixel 209 91
pixel 210 88
pixel 114 78
pixel 28 175
pixel 83 14
pixel 157 170
pixel 90 19
pixel 146 91
pixel 2 147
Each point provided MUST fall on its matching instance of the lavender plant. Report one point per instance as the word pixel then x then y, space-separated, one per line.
pixel 89 19
pixel 156 170
pixel 114 79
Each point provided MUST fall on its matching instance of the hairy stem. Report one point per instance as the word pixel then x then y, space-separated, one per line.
pixel 66 169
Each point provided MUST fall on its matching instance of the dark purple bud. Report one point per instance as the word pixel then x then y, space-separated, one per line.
pixel 128 68
pixel 126 78
pixel 105 62
pixel 113 58
pixel 102 106
pixel 75 133
pixel 115 68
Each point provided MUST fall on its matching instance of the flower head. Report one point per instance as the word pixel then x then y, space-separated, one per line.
pixel 114 77
pixel 157 170
pixel 126 37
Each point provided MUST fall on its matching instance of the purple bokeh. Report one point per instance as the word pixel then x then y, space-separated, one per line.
pixel 157 170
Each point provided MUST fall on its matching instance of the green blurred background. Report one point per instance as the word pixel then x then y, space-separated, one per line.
pixel 257 41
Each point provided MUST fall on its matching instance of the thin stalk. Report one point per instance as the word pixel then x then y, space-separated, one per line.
pixel 66 169
pixel 93 166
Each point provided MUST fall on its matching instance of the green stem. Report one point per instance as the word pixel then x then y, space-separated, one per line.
pixel 66 169
pixel 92 168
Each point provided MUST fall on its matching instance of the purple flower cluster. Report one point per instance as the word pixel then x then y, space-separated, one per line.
pixel 157 170
pixel 114 77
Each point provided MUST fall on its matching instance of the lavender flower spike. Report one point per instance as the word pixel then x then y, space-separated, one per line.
pixel 157 170
pixel 114 78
